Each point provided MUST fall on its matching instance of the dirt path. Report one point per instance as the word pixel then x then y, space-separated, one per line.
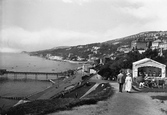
pixel 134 103
pixel 90 90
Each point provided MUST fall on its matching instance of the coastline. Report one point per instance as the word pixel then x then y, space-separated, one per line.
pixel 22 62
pixel 77 62
pixel 26 63
pixel 61 60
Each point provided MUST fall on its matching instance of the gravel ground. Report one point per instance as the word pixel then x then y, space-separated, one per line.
pixel 134 103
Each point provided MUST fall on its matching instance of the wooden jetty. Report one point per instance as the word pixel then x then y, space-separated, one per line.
pixel 25 74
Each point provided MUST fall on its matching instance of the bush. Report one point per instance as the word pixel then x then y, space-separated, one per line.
pixel 40 107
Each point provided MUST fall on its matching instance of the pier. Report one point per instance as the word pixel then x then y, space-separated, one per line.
pixel 15 74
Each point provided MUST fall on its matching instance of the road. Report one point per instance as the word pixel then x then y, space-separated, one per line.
pixel 134 103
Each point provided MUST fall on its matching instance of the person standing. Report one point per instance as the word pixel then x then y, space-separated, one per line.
pixel 120 80
pixel 128 83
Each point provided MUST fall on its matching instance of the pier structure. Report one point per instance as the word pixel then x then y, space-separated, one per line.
pixel 9 74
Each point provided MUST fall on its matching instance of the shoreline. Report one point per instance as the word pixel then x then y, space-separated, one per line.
pixel 65 60
pixel 51 66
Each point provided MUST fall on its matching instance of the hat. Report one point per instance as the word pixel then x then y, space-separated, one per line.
pixel 120 71
pixel 128 73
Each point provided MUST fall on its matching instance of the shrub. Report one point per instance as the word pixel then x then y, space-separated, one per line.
pixel 39 107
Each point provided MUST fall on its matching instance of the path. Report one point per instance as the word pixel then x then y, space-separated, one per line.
pixel 90 90
pixel 119 104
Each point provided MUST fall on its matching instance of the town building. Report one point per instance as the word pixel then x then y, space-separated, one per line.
pixel 94 59
pixel 163 45
pixel 124 48
pixel 55 58
pixel 159 44
pixel 80 59
pixel 139 45
pixel 155 44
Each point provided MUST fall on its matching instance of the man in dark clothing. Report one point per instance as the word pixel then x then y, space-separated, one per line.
pixel 120 80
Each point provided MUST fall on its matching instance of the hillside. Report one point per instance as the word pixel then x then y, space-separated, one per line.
pixel 84 52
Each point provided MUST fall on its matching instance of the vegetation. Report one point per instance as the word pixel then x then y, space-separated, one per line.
pixel 101 89
pixel 80 91
pixel 125 61
pixel 159 97
pixel 40 107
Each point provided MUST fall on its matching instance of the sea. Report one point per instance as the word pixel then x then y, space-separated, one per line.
pixel 21 62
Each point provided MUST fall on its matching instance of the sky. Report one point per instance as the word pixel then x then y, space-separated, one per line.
pixel 31 25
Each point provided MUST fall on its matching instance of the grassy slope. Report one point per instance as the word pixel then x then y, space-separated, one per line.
pixel 80 91
pixel 40 107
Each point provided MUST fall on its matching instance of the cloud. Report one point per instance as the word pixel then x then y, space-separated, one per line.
pixel 141 13
pixel 42 24
pixel 67 1
pixel 80 2
pixel 150 12
pixel 9 50
pixel 18 38
pixel 148 9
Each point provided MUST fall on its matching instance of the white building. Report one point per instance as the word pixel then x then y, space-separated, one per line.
pixel 163 45
pixel 124 48
pixel 155 44
pixel 55 57
pixel 80 58
pixel 146 62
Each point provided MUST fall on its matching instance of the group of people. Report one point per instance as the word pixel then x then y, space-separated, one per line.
pixel 125 81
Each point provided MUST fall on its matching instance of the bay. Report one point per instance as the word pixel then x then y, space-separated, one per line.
pixel 24 63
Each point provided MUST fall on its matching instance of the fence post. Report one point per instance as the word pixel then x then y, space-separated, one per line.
pixel 36 76
pixel 57 75
pixel 25 76
pixel 15 76
pixel 46 76
pixel 6 75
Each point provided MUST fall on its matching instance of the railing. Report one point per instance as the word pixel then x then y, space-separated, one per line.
pixel 25 75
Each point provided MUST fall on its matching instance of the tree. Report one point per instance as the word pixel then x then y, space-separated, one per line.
pixel 149 53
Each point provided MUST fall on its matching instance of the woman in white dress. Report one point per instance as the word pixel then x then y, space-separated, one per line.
pixel 128 82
